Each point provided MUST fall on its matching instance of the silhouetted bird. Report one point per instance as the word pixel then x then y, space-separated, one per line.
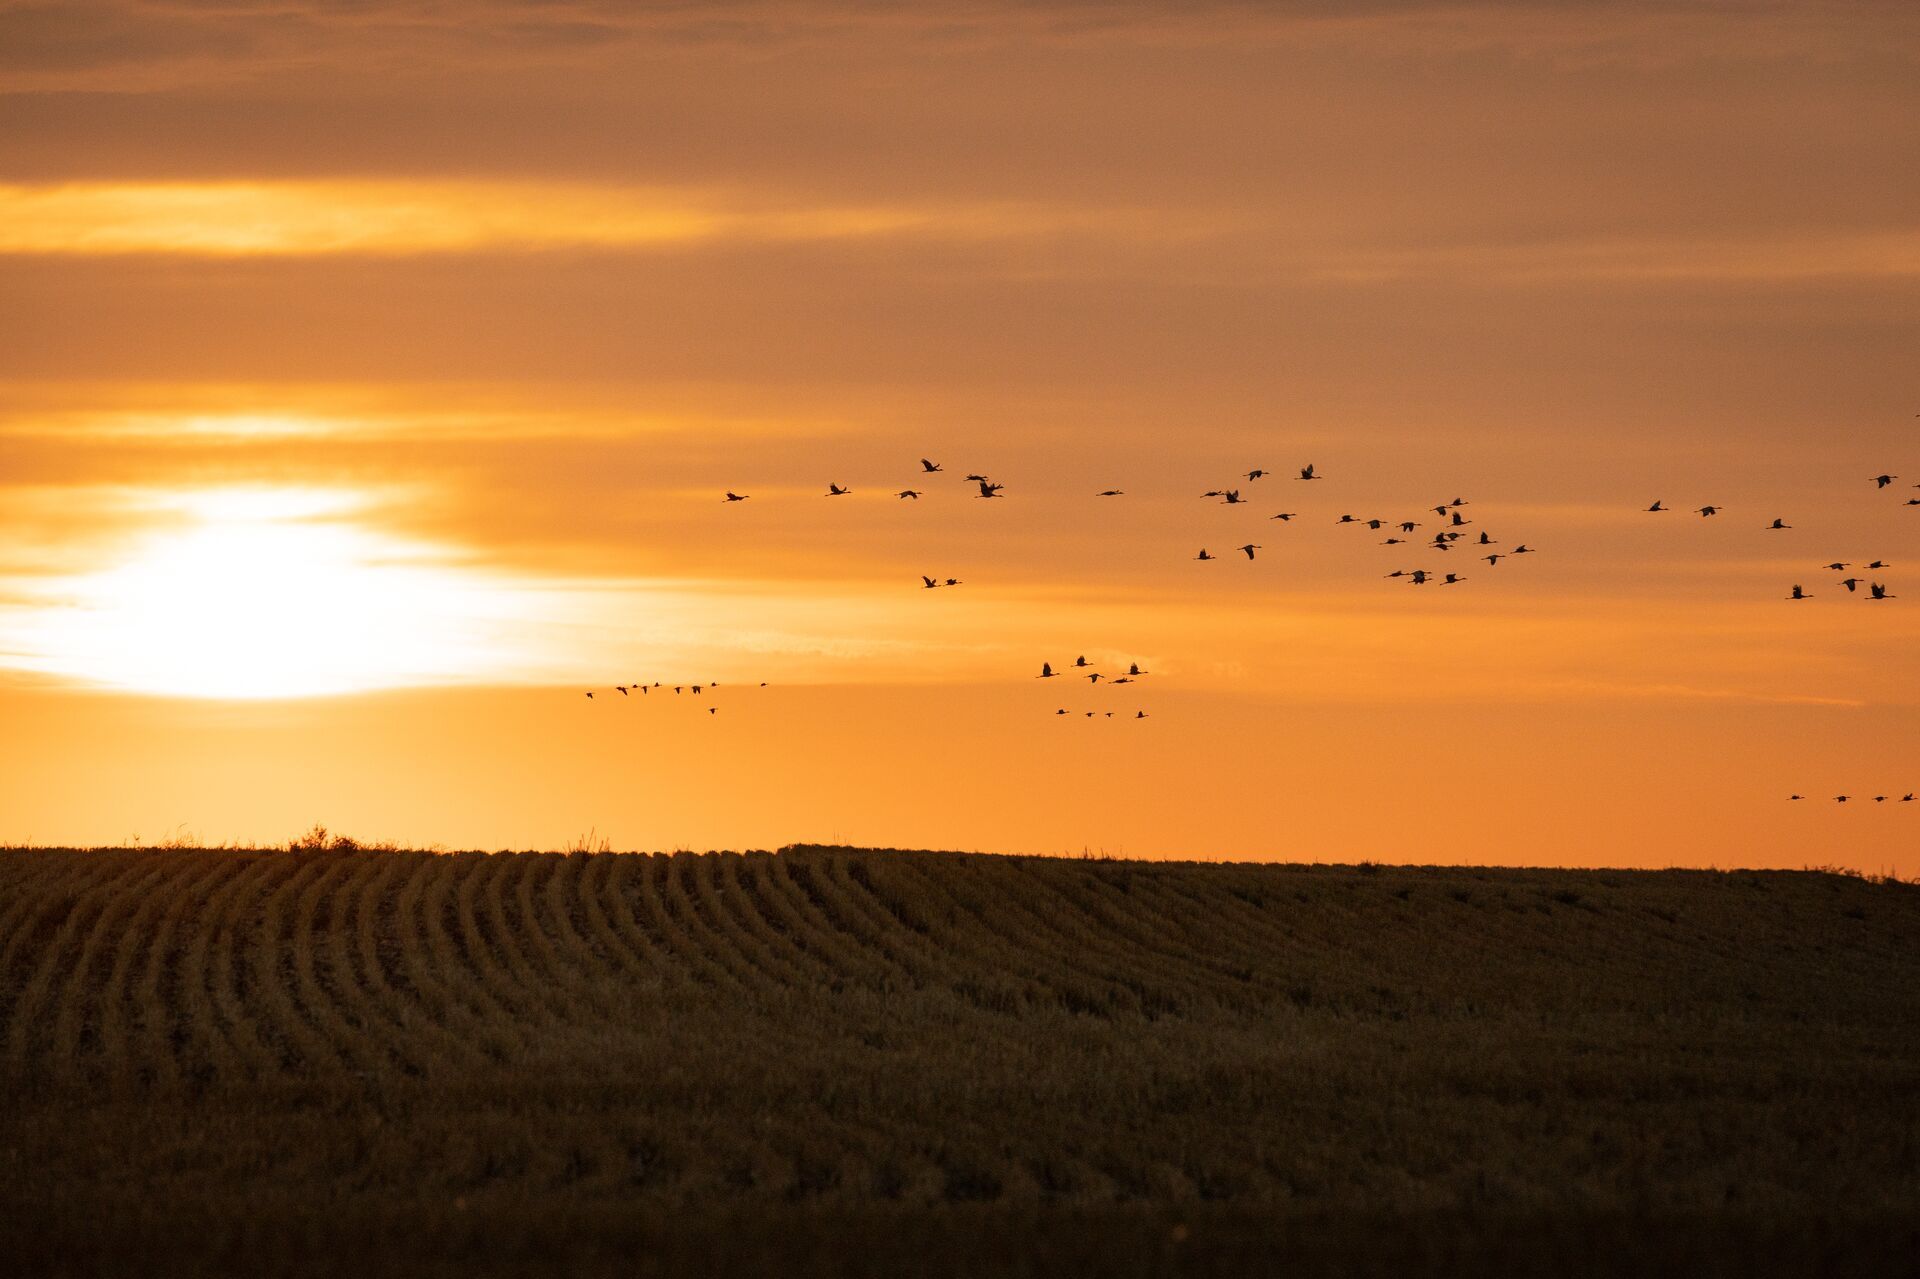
pixel 1348 519
pixel 737 497
pixel 1307 473
pixel 1838 568
pixel 1061 711
pixel 952 581
pixel 929 466
pixel 1778 526
pixel 1133 668
pixel 976 479
pixel 589 696
pixel 1485 541
pixel 1046 671
pixel 1254 474
pixel 1709 510
pixel 1080 661
pixel 1881 481
pixel 908 493
pixel 1419 576
pixel 1395 541
pixel 1250 548
pixel 1110 493
pixel 1907 798
pixel 1459 520
pixel 1407 526
pixel 1453 579
pixel 1214 493
pixel 1284 515
pixel 1879 799
pixel 1879 564
pixel 1495 558
pixel 1094 678
pixel 713 710
pixel 1203 554
pixel 1799 594
pixel 1841 799
pixel 1655 508
pixel 834 490
pixel 989 489
pixel 1913 501
pixel 1879 592
pixel 1143 715
pixel 1794 797
pixel 1124 679
pixel 1523 549
pixel 1232 497
pixel 1851 583
pixel 930 582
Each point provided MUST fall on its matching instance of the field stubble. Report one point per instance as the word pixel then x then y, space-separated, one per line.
pixel 845 1061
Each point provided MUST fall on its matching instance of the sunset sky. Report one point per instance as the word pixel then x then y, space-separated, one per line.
pixel 372 373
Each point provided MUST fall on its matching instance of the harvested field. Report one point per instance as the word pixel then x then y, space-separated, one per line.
pixel 874 1062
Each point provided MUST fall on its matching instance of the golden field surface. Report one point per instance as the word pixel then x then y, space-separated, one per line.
pixel 836 1061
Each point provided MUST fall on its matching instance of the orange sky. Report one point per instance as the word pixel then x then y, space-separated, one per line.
pixel 372 374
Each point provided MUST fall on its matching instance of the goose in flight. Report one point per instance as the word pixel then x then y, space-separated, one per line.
pixel 1708 510
pixel 1250 548
pixel 1143 715
pixel 1061 711
pixel 1133 668
pixel 1841 799
pixel 1348 519
pixel 952 581
pixel 1494 558
pixel 1879 592
pixel 930 582
pixel 1111 493
pixel 1046 671
pixel 1093 677
pixel 1799 594
pixel 1419 576
pixel 976 479
pixel 913 493
pixel 1791 798
pixel 834 490
pixel 1453 579
pixel 1395 541
pixel 1486 541
pixel 737 497
pixel 1913 501
pixel 1851 583
pixel 1080 661
pixel 1459 521
pixel 1907 798
pixel 1254 474
pixel 1307 472
pixel 1407 526
pixel 989 489
pixel 589 694
pixel 1203 555
pixel 1524 549
pixel 1124 679
pixel 1778 526
pixel 1881 481
pixel 1839 568
pixel 1656 509
pixel 1284 515
pixel 1879 564
pixel 1232 497
pixel 928 466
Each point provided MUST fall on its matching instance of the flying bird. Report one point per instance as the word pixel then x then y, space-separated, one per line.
pixel 1879 564
pixel 1250 548
pixel 930 582
pixel 929 466
pixel 1839 568
pixel 1133 668
pixel 1046 671
pixel 1799 594
pixel 1143 715
pixel 1851 583
pixel 1709 510
pixel 989 489
pixel 834 490
pixel 1879 592
pixel 1495 558
pixel 1794 797
pixel 737 497
pixel 1254 474
pixel 1232 497
pixel 1656 508
pixel 976 479
pixel 589 695
pixel 913 493
pixel 1307 473
pixel 1778 526
pixel 1881 481
pixel 1523 549
pixel 1093 678
pixel 1284 515
pixel 1080 661
pixel 1419 576
pixel 1453 579
pixel 1203 555
pixel 1110 493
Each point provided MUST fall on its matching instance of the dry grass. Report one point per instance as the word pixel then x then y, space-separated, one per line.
pixel 838 1061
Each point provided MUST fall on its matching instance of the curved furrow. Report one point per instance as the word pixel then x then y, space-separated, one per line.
pixel 470 973
pixel 142 941
pixel 1022 942
pixel 633 909
pixel 1266 938
pixel 1050 894
pixel 771 900
pixel 439 974
pixel 198 1034
pixel 94 894
pixel 576 974
pixel 229 972
pixel 847 913
pixel 600 971
pixel 156 996
pixel 301 1045
pixel 600 886
pixel 317 921
pixel 813 919
pixel 232 970
pixel 75 1004
pixel 33 892
pixel 356 973
pixel 720 894
pixel 693 932
pixel 523 987
pixel 1244 969
pixel 1103 907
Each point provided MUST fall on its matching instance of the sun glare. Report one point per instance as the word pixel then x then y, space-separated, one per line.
pixel 271 593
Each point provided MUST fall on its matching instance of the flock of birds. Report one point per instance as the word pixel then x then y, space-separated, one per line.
pixel 1453 529
pixel 1846 799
